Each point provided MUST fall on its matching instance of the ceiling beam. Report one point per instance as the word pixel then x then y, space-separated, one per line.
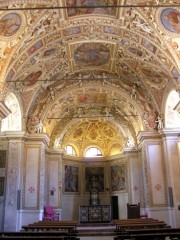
pixel 105 6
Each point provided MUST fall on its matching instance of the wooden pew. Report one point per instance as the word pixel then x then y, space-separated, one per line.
pixel 153 230
pixel 134 219
pixel 122 225
pixel 151 234
pixel 57 222
pixel 66 226
pixel 32 237
pixel 124 228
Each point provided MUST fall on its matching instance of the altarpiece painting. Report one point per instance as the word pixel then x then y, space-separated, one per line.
pixel 71 174
pixel 94 177
pixel 118 178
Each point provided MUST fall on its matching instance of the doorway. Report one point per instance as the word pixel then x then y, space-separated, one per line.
pixel 114 207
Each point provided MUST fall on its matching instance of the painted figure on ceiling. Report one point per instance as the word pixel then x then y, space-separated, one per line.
pixel 171 20
pixel 9 24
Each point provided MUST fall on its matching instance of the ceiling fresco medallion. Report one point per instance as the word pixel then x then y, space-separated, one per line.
pixel 10 24
pixel 92 4
pixel 92 55
pixel 169 21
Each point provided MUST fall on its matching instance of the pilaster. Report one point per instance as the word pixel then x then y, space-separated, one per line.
pixel 171 143
pixel 15 146
pixel 26 178
pixel 132 156
pixel 155 175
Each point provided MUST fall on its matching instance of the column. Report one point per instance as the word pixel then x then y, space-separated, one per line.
pixel 171 142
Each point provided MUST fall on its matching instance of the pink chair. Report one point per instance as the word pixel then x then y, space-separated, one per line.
pixel 49 214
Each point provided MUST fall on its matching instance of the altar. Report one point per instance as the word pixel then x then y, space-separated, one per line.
pixel 95 214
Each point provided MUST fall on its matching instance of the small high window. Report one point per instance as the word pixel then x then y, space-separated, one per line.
pixel 13 121
pixel 70 150
pixel 172 116
pixel 93 152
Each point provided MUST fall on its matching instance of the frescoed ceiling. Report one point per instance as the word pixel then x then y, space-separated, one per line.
pixel 89 69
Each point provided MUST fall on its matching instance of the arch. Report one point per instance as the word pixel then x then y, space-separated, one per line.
pixel 13 122
pixel 93 152
pixel 172 117
pixel 70 150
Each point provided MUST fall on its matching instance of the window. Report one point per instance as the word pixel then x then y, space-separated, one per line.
pixel 93 152
pixel 70 150
pixel 172 116
pixel 13 121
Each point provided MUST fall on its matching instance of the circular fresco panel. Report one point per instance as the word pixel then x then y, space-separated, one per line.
pixel 9 24
pixel 169 21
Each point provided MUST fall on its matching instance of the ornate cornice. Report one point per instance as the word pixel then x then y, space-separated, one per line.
pixel 170 133
pixel 142 135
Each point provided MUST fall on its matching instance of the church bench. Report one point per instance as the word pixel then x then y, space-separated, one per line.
pixel 70 229
pixel 38 234
pixel 154 230
pixel 148 233
pixel 124 226
pixel 149 236
pixel 48 227
pixel 134 221
pixel 35 233
pixel 33 237
pixel 116 221
pixel 68 223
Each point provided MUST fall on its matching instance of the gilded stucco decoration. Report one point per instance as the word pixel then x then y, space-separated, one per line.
pixel 102 134
pixel 104 68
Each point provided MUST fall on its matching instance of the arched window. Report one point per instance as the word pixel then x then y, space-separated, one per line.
pixel 93 152
pixel 172 118
pixel 13 121
pixel 70 150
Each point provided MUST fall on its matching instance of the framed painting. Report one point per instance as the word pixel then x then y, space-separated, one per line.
pixel 94 178
pixel 71 179
pixel 118 178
